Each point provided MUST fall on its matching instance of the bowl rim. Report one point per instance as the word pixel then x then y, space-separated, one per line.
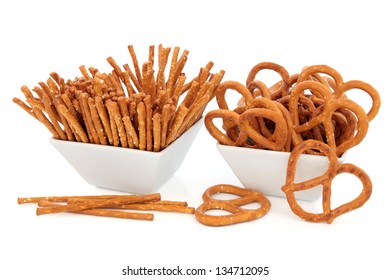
pixel 269 152
pixel 132 150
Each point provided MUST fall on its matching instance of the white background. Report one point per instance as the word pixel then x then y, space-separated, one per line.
pixel 39 37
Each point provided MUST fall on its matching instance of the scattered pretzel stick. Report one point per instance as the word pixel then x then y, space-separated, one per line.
pixel 108 205
pixel 158 207
pixel 104 212
pixel 97 203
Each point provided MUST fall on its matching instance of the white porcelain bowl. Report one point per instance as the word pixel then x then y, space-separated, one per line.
pixel 126 169
pixel 265 170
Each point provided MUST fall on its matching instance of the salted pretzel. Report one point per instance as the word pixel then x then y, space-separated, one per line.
pixel 335 81
pixel 238 214
pixel 329 106
pixel 279 89
pixel 231 121
pixel 326 179
pixel 263 109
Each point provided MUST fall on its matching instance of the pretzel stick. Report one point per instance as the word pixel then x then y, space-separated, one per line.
pixel 96 121
pixel 172 69
pixel 24 106
pixel 69 105
pixel 124 110
pixel 36 199
pixel 127 82
pixel 191 94
pixel 84 72
pixel 98 203
pixel 116 67
pixel 73 122
pixel 194 113
pixel 141 113
pixel 38 113
pixel 59 80
pixel 157 207
pixel 151 54
pixel 92 134
pixel 103 115
pixel 169 202
pixel 156 132
pixel 133 137
pixel 180 65
pixel 167 112
pixel 104 212
pixel 45 88
pixel 67 128
pixel 163 54
pixel 116 82
pixel 133 77
pixel 178 120
pixel 176 92
pixel 135 63
pixel 199 105
pixel 147 78
pixel 149 123
pixel 39 91
pixel 115 115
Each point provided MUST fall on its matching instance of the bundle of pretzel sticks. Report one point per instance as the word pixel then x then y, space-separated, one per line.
pixel 312 104
pixel 115 206
pixel 139 108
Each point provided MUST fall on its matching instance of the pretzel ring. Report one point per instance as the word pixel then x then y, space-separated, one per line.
pixel 238 214
pixel 330 105
pixel 336 83
pixel 231 122
pixel 339 87
pixel 334 169
pixel 224 86
pixel 375 97
pixel 262 108
pixel 284 84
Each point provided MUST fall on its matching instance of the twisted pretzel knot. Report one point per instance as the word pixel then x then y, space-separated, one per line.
pixel 310 105
pixel 238 214
pixel 334 169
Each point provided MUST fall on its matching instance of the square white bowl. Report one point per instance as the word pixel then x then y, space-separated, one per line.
pixel 265 170
pixel 125 169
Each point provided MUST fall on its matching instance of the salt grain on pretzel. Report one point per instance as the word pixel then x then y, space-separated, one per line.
pixel 89 104
pixel 104 212
pixel 108 205
pixel 238 214
pixel 97 203
pixel 326 180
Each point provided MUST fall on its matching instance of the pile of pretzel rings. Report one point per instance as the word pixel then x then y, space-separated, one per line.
pixel 310 105
pixel 308 113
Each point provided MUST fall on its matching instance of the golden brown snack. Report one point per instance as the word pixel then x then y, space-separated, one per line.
pixel 238 214
pixel 283 88
pixel 231 122
pixel 108 205
pixel 334 169
pixel 329 106
pixel 104 105
pixel 104 212
pixel 73 206
pixel 314 104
